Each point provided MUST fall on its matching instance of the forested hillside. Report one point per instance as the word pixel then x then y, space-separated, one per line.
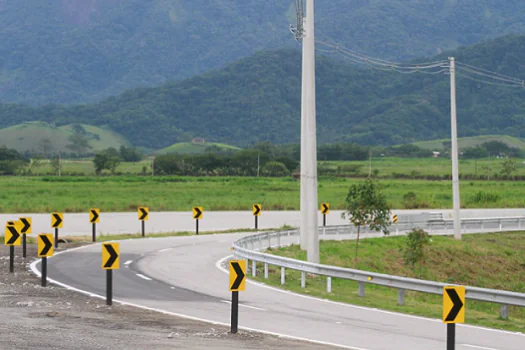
pixel 80 51
pixel 258 99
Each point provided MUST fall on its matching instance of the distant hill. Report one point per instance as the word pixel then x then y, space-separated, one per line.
pixel 80 51
pixel 258 99
pixel 195 148
pixel 33 135
pixel 467 142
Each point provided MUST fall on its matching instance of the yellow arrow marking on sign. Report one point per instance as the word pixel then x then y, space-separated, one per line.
pixel 12 233
pixel 237 275
pixel 111 256
pixel 57 220
pixel 94 215
pixel 45 245
pixel 143 213
pixel 198 213
pixel 454 304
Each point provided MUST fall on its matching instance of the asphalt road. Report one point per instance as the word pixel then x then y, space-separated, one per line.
pixel 183 275
pixel 77 224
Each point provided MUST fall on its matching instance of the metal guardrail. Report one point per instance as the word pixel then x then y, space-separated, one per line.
pixel 250 247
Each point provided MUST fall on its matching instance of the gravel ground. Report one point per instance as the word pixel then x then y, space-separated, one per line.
pixel 32 317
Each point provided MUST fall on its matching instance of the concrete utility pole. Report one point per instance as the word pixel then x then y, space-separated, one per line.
pixel 454 156
pixel 308 229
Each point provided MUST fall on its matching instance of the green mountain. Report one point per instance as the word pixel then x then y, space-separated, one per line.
pixel 80 51
pixel 258 99
pixel 42 137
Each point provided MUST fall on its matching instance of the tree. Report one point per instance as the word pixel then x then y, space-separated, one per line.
pixel 367 206
pixel 56 164
pixel 79 143
pixel 105 160
pixel 508 167
pixel 129 154
pixel 414 251
pixel 275 169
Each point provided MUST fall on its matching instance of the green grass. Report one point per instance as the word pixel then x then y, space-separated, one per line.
pixel 193 148
pixel 28 136
pixel 491 261
pixel 435 168
pixel 126 193
pixel 466 142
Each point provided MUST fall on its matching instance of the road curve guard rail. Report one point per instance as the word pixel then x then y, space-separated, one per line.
pixel 251 249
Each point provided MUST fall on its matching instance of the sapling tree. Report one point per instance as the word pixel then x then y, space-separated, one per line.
pixel 366 205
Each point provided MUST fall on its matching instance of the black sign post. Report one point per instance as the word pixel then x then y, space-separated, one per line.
pixel 56 237
pixel 12 258
pixel 109 287
pixel 24 243
pixel 44 272
pixel 235 312
pixel 451 336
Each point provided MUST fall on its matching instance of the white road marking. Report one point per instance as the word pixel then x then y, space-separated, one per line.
pixel 165 312
pixel 128 262
pixel 144 277
pixel 247 306
pixel 478 347
pixel 165 250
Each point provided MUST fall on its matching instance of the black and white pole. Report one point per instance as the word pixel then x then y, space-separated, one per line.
pixel 324 220
pixel 44 272
pixel 12 259
pixel 109 287
pixel 197 226
pixel 235 312
pixel 143 228
pixel 94 232
pixel 256 222
pixel 451 336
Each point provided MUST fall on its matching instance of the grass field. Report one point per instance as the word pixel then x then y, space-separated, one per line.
pixel 126 193
pixel 28 137
pixel 490 260
pixel 466 142
pixel 389 167
pixel 193 148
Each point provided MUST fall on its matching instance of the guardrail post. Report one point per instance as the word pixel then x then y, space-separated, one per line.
pixel 361 289
pixel 397 231
pixel 504 312
pixel 329 284
pixel 303 279
pixel 500 225
pixel 254 268
pixel 278 240
pixel 519 224
pixel 283 276
pixel 269 240
pixel 401 297
pixel 266 270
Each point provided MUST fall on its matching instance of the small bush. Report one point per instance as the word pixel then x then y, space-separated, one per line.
pixel 414 252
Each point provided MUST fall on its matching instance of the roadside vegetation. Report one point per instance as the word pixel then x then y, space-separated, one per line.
pixel 489 260
pixel 180 193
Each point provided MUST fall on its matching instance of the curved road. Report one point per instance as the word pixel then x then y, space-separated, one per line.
pixel 183 275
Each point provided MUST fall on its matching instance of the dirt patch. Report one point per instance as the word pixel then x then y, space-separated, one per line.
pixel 32 317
